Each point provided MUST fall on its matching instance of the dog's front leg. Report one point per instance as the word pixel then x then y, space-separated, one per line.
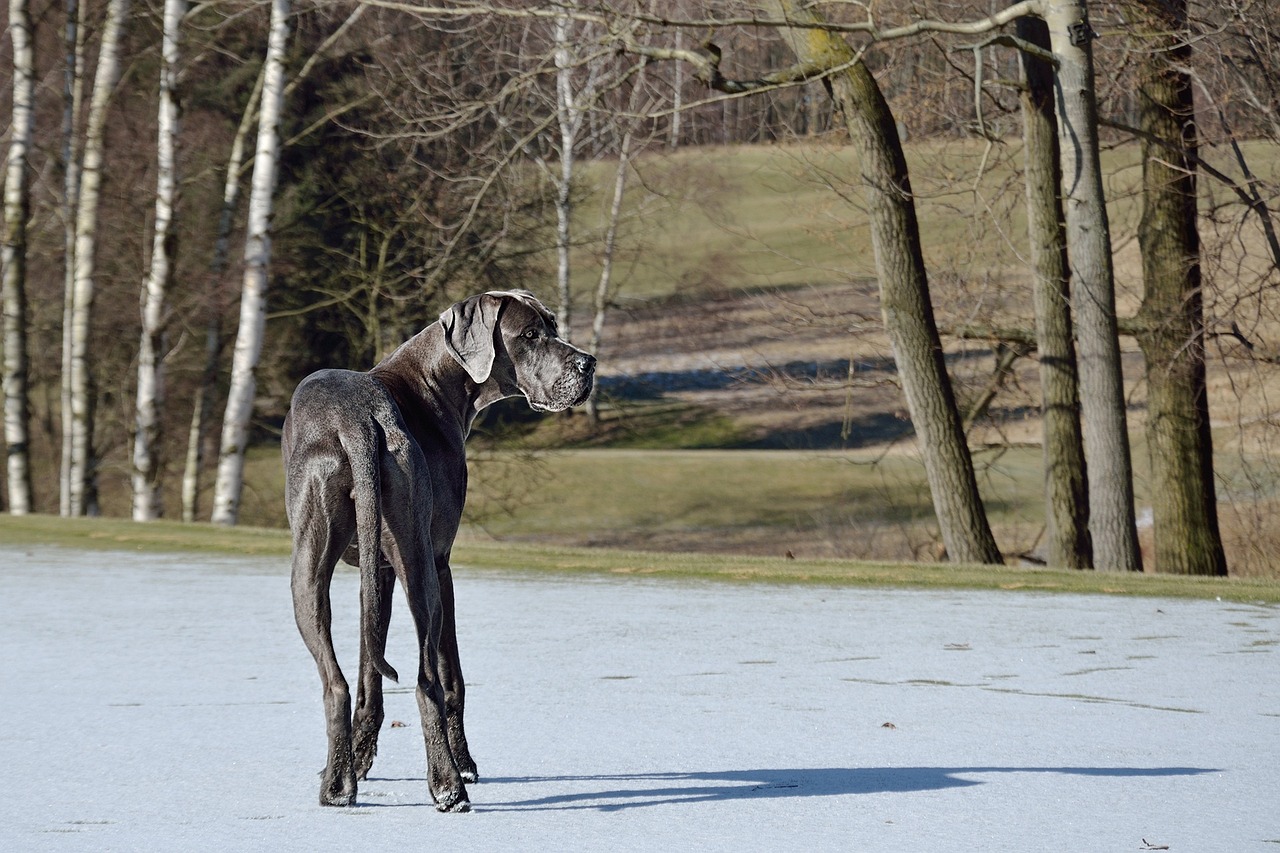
pixel 369 705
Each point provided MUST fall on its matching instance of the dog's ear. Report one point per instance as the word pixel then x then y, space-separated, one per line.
pixel 469 329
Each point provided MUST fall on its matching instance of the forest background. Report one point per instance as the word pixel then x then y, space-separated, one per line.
pixel 696 197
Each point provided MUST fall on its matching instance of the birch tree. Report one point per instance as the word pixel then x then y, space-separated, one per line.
pixel 72 101
pixel 17 417
pixel 204 394
pixel 82 472
pixel 569 115
pixel 257 254
pixel 150 393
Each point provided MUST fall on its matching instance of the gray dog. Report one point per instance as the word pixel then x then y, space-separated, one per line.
pixel 376 474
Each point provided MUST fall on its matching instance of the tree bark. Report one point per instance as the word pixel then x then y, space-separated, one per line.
pixel 257 254
pixel 569 122
pixel 17 201
pixel 1065 481
pixel 150 393
pixel 73 98
pixel 1106 438
pixel 1171 319
pixel 904 288
pixel 83 475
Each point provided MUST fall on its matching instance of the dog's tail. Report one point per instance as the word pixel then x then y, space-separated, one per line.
pixel 367 493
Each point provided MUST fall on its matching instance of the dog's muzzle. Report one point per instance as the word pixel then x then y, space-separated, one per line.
pixel 572 386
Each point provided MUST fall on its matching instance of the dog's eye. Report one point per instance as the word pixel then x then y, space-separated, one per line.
pixel 531 334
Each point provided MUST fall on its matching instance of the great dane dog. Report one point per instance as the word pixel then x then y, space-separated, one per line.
pixel 376 475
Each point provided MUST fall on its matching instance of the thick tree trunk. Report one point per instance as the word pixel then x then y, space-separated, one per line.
pixel 1066 486
pixel 150 395
pixel 17 412
pixel 83 475
pixel 1171 327
pixel 257 254
pixel 904 289
pixel 1106 438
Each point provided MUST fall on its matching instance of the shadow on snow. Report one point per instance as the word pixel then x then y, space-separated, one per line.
pixel 615 792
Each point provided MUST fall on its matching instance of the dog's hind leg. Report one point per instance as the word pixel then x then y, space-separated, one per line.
pixel 369 714
pixel 407 543
pixel 447 788
pixel 318 542
pixel 451 680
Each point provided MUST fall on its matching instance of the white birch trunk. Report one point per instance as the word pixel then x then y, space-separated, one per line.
pixel 604 285
pixel 213 332
pixel 150 397
pixel 569 119
pixel 73 98
pixel 1102 403
pixel 82 474
pixel 677 96
pixel 17 417
pixel 257 254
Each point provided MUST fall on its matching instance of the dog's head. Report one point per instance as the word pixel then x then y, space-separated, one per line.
pixel 509 338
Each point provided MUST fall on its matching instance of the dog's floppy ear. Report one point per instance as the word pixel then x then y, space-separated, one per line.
pixel 469 329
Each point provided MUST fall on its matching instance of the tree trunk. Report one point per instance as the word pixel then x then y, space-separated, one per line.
pixel 207 391
pixel 904 289
pixel 73 97
pixel 83 475
pixel 150 396
pixel 605 283
pixel 1066 485
pixel 1106 438
pixel 1171 320
pixel 569 120
pixel 257 255
pixel 17 412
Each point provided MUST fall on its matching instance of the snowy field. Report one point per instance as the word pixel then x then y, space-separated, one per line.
pixel 166 703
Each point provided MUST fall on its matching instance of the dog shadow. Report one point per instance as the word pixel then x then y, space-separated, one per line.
pixel 617 792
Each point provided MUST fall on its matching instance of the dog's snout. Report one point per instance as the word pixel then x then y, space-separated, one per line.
pixel 584 362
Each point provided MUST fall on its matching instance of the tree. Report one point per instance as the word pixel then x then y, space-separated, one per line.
pixel 150 393
pixel 1106 438
pixel 1066 485
pixel 904 289
pixel 257 255
pixel 1170 323
pixel 202 404
pixel 72 101
pixel 569 118
pixel 17 416
pixel 82 472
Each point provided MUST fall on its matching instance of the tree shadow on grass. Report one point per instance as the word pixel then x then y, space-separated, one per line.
pixel 616 792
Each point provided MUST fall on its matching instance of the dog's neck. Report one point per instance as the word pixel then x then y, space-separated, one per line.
pixel 422 374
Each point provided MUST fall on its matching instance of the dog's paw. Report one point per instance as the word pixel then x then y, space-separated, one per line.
pixel 340 799
pixel 469 776
pixel 454 802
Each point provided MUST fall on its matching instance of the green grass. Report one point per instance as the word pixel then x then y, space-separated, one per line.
pixel 786 215
pixel 663 490
pixel 119 535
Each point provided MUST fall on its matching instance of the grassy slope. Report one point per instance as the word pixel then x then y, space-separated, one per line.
pixel 759 210
pixel 120 535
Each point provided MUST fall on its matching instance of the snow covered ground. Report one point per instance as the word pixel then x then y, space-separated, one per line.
pixel 167 703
